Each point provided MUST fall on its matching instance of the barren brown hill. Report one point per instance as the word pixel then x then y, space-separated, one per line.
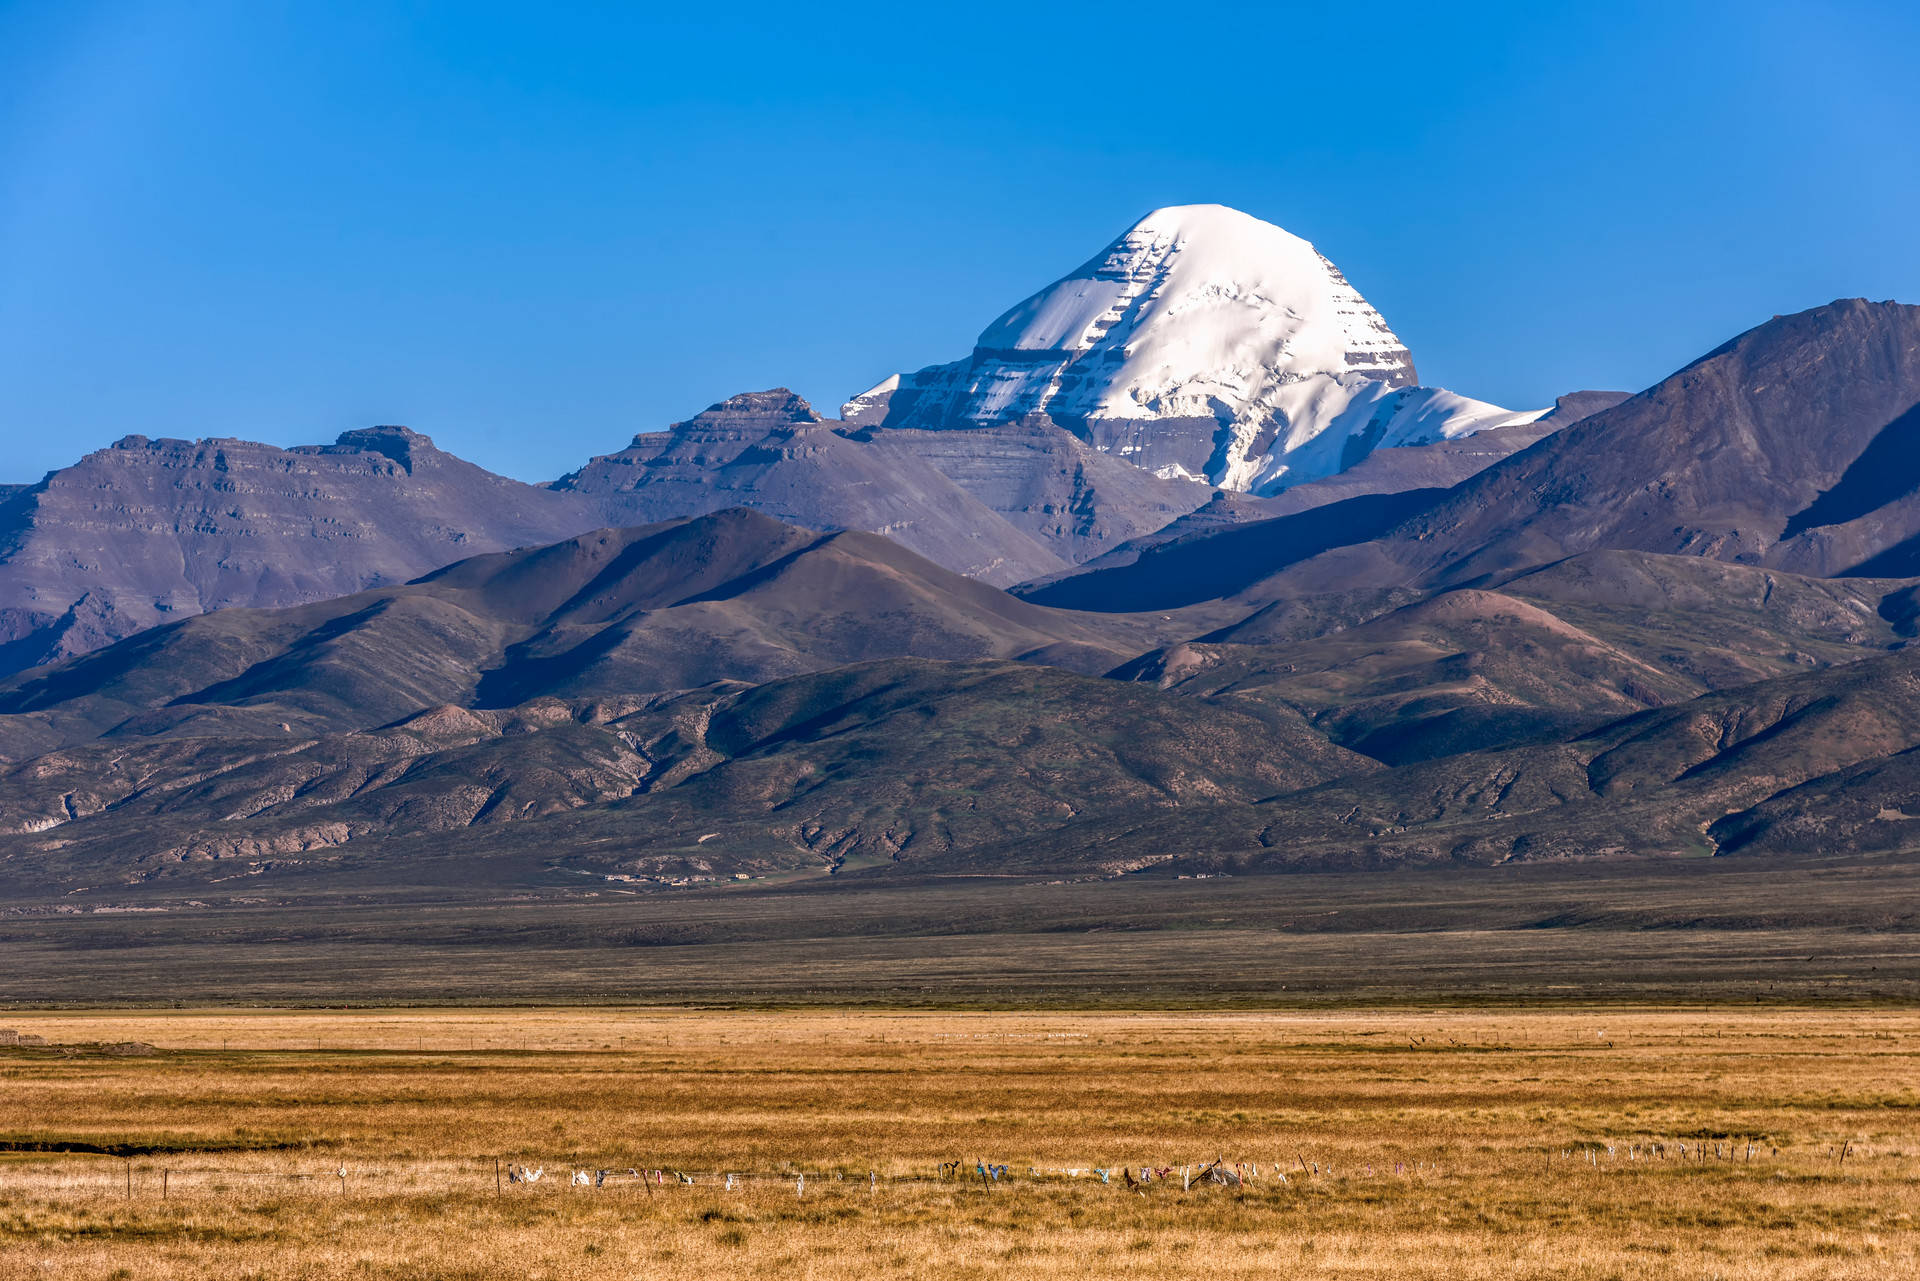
pixel 1787 447
pixel 732 596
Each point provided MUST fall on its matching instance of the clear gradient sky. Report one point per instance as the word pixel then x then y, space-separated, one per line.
pixel 531 230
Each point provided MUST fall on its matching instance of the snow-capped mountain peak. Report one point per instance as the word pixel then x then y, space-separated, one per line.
pixel 1193 292
pixel 1203 342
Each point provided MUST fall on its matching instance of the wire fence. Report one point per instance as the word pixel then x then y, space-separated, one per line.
pixel 188 1175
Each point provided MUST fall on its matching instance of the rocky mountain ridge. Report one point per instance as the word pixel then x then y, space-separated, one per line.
pixel 150 530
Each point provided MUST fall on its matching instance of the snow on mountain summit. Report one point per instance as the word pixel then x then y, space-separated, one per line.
pixel 1202 343
pixel 1197 300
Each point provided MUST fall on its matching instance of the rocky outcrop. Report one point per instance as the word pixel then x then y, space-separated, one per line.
pixel 770 451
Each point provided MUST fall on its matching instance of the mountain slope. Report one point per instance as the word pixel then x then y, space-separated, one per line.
pixel 148 532
pixel 1000 504
pixel 1237 563
pixel 1777 766
pixel 908 761
pixel 1734 458
pixel 1466 671
pixel 1553 653
pixel 1717 460
pixel 732 596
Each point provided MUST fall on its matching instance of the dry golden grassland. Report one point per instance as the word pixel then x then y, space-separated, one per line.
pixel 1449 1144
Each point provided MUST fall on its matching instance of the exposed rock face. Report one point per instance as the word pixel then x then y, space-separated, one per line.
pixel 1202 344
pixel 1075 500
pixel 150 530
pixel 770 451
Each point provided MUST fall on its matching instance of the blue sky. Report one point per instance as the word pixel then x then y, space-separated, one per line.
pixel 532 230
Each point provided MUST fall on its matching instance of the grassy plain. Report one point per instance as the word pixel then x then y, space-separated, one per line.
pixel 1448 1143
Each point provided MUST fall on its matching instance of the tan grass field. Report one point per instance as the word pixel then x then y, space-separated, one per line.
pixel 1448 1144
